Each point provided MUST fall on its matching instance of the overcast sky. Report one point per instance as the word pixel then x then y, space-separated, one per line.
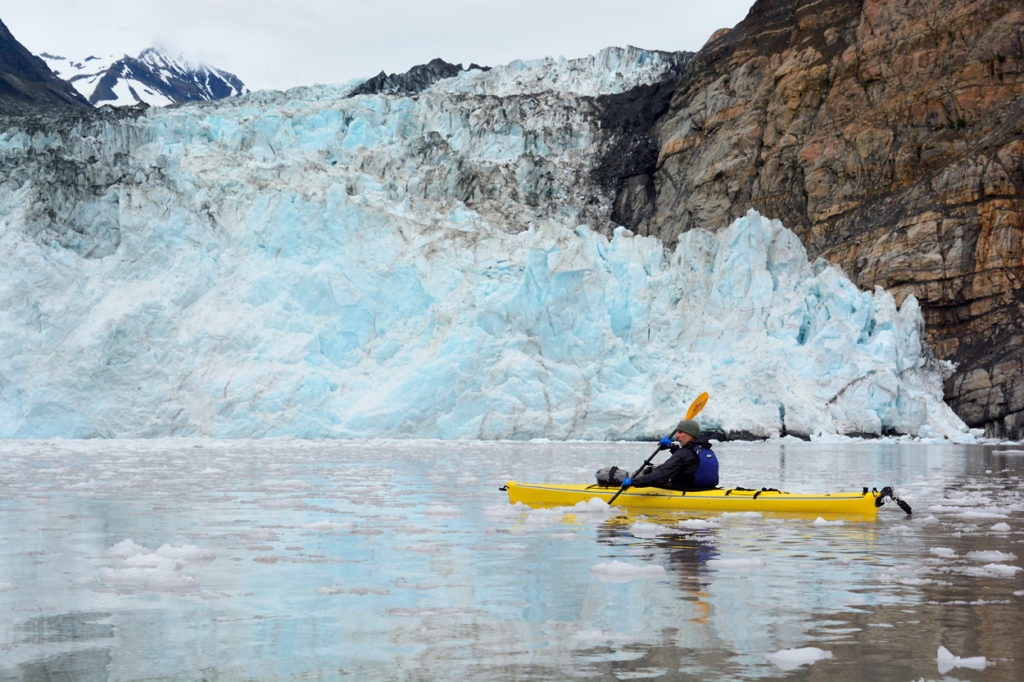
pixel 283 43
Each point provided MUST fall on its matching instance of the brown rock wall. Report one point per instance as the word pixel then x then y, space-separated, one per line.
pixel 890 136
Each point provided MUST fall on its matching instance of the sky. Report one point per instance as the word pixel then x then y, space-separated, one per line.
pixel 278 44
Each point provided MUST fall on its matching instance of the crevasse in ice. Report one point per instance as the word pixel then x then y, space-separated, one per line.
pixel 311 264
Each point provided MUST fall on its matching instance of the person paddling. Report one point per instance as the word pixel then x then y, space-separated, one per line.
pixel 691 466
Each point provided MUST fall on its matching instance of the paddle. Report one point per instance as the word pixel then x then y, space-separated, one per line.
pixel 695 407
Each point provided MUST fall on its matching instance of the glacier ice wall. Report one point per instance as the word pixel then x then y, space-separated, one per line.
pixel 312 264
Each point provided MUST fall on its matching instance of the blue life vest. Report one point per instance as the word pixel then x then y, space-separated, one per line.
pixel 706 475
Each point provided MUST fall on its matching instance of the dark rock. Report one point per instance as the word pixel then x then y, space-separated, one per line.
pixel 629 160
pixel 26 82
pixel 413 81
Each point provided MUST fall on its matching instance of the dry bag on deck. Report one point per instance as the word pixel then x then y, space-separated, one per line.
pixel 611 476
pixel 614 476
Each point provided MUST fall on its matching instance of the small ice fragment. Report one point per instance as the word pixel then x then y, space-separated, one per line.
pixel 947 661
pixel 993 571
pixel 594 505
pixel 981 514
pixel 6 587
pixel 622 572
pixel 746 563
pixel 126 548
pixel 442 510
pixel 993 556
pixel 647 530
pixel 186 553
pixel 790 659
pixel 1001 527
pixel 822 522
pixel 330 525
pixel 944 552
pixel 696 524
pixel 606 636
pixel 543 517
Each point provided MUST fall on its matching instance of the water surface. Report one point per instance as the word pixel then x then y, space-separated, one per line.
pixel 183 559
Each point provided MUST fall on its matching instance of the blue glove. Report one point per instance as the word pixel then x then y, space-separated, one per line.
pixel 628 482
pixel 665 443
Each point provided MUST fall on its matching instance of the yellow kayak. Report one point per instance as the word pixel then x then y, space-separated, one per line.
pixel 863 503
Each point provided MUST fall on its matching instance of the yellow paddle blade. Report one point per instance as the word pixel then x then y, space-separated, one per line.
pixel 697 405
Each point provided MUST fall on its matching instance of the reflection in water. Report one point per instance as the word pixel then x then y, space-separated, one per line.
pixel 271 559
pixel 82 665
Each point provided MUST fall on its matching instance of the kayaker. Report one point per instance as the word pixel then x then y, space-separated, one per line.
pixel 691 466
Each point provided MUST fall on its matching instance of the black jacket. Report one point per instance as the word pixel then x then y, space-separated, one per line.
pixel 675 473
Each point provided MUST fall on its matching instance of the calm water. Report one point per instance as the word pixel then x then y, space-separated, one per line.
pixel 268 560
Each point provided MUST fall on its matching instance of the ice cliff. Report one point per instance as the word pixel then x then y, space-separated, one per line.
pixel 316 264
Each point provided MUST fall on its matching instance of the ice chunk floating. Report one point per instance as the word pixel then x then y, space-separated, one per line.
pixel 314 264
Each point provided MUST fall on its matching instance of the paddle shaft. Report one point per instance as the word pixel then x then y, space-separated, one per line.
pixel 635 473
pixel 695 407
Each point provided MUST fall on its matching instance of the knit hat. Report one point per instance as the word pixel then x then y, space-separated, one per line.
pixel 690 427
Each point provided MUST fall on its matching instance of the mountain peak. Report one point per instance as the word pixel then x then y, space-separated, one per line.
pixel 156 77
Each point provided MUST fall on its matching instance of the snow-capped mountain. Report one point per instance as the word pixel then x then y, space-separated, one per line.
pixel 155 77
pixel 315 263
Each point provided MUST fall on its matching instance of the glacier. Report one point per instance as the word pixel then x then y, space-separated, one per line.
pixel 317 265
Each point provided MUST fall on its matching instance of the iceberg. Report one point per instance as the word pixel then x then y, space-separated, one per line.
pixel 312 264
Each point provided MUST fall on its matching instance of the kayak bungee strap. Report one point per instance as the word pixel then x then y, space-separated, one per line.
pixel 765 490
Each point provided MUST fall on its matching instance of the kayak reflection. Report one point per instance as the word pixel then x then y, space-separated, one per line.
pixel 684 546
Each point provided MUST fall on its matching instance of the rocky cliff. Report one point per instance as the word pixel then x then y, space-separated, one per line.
pixel 890 136
pixel 26 81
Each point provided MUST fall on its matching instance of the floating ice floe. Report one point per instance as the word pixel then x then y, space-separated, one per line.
pixel 992 556
pixel 944 552
pixel 697 524
pixel 645 529
pixel 993 571
pixel 330 525
pixel 142 568
pixel 947 661
pixel 608 637
pixel 592 506
pixel 744 563
pixel 790 659
pixel 622 572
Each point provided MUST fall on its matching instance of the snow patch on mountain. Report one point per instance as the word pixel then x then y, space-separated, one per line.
pixel 154 77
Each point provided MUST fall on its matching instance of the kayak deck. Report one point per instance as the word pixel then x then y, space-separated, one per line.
pixel 862 503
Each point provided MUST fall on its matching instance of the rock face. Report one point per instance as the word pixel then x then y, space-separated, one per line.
pixel 26 81
pixel 413 81
pixel 890 137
